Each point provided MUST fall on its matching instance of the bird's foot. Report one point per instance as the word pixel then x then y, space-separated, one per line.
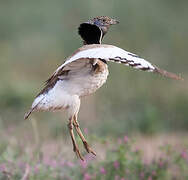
pixel 79 132
pixel 77 152
pixel 88 149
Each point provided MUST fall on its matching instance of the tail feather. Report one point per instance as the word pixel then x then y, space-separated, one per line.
pixel 34 106
pixel 167 74
pixel 28 113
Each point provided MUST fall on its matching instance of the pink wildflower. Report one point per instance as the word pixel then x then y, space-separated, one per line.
pixel 116 164
pixel 36 169
pixel 161 163
pixel 70 164
pixel 184 155
pixel 53 164
pixel 154 173
pixel 149 178
pixel 46 160
pixel 142 175
pixel 83 164
pixel 146 162
pixel 125 139
pixel 116 177
pixel 87 176
pixel 22 165
pixel 102 170
pixel 2 167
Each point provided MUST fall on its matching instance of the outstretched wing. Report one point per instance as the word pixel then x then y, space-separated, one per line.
pixel 118 55
pixel 88 55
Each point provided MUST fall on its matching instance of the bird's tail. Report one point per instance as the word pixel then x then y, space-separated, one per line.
pixel 34 106
pixel 28 113
pixel 167 74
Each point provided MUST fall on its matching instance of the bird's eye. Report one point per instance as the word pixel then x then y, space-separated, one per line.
pixel 104 20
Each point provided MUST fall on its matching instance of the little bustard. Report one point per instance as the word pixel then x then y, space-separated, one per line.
pixel 84 72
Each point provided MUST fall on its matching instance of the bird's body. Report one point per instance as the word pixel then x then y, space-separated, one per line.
pixel 82 74
pixel 64 88
pixel 82 79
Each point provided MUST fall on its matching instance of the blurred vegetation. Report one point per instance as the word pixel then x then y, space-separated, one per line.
pixel 37 35
pixel 120 162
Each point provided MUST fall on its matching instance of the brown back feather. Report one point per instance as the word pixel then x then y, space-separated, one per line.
pixel 50 83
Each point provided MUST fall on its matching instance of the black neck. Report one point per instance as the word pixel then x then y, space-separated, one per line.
pixel 91 34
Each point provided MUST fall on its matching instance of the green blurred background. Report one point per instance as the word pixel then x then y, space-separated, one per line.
pixel 36 36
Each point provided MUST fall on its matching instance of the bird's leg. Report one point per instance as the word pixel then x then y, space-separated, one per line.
pixel 78 130
pixel 75 146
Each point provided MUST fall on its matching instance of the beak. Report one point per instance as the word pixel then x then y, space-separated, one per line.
pixel 114 21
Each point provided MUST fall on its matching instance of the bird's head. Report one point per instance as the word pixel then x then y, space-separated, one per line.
pixel 103 22
pixel 94 30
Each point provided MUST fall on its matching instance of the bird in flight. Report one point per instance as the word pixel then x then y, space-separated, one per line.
pixel 84 72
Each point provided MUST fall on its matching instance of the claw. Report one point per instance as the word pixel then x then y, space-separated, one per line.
pixel 88 149
pixel 79 132
pixel 78 154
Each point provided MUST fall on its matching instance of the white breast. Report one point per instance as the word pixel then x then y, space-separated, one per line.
pixel 83 84
pixel 67 90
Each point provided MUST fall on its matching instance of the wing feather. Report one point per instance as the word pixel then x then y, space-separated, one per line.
pixel 74 68
pixel 118 55
pixel 103 52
